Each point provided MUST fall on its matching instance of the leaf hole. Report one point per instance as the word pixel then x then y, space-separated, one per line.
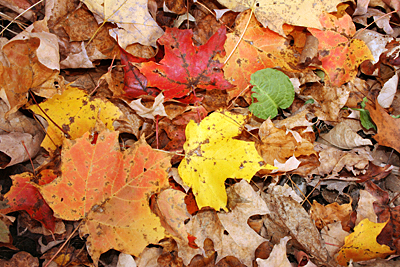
pixel 226 232
pixel 62 199
pixel 144 169
pixel 257 4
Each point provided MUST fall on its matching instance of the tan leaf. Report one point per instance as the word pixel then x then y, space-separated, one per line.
pixel 342 136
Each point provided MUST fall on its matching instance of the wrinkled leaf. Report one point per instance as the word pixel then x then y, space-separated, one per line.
pixel 342 136
pixel 274 14
pixel 273 90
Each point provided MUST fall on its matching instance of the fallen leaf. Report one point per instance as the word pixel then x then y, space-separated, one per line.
pixel 337 50
pixel 273 90
pixel 76 113
pixel 274 14
pixel 333 235
pixel 342 136
pixel 185 67
pixel 21 259
pixel 260 48
pixel 23 195
pixel 212 156
pixel 20 70
pixel 280 145
pixel 149 113
pixel 140 28
pixel 324 215
pixel 244 238
pixel 278 257
pixel 362 245
pixel 388 127
pixel 288 217
pixel 388 91
pixel 110 189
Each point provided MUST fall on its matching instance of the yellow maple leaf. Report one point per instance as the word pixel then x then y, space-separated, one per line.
pixel 76 113
pixel 362 245
pixel 212 156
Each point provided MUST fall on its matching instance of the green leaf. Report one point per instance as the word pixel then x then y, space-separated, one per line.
pixel 365 118
pixel 273 90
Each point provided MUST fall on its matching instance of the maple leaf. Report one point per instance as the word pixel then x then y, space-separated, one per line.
pixel 140 28
pixel 340 56
pixel 260 48
pixel 186 67
pixel 388 127
pixel 111 190
pixel 273 14
pixel 212 156
pixel 25 196
pixel 76 113
pixel 361 245
pixel 135 83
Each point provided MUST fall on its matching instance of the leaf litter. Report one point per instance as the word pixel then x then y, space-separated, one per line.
pixel 219 138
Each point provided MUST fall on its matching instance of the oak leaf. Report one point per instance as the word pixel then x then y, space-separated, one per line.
pixel 110 189
pixel 362 245
pixel 23 195
pixel 212 156
pixel 186 67
pixel 76 113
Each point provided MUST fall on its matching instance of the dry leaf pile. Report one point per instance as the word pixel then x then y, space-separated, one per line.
pixel 199 133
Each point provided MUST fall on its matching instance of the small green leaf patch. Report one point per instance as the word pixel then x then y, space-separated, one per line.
pixel 273 90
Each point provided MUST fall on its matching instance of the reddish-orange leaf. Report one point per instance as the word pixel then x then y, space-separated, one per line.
pixel 340 56
pixel 111 190
pixel 24 196
pixel 388 127
pixel 260 48
pixel 186 67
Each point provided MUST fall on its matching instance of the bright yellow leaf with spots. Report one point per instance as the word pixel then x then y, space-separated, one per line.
pixel 212 156
pixel 361 245
pixel 76 113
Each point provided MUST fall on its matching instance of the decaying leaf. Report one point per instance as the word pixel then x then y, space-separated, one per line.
pixel 274 14
pixel 288 217
pixel 212 156
pixel 388 127
pixel 278 257
pixel 149 113
pixel 140 28
pixel 344 137
pixel 111 190
pixel 246 240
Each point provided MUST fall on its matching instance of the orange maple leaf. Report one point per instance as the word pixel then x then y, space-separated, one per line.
pixel 110 189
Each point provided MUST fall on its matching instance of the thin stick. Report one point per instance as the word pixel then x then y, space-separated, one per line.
pixel 394 11
pixel 63 245
pixel 61 129
pixel 240 39
pixel 26 10
pixel 27 152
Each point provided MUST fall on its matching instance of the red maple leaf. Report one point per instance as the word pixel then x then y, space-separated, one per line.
pixel 135 83
pixel 25 196
pixel 186 67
